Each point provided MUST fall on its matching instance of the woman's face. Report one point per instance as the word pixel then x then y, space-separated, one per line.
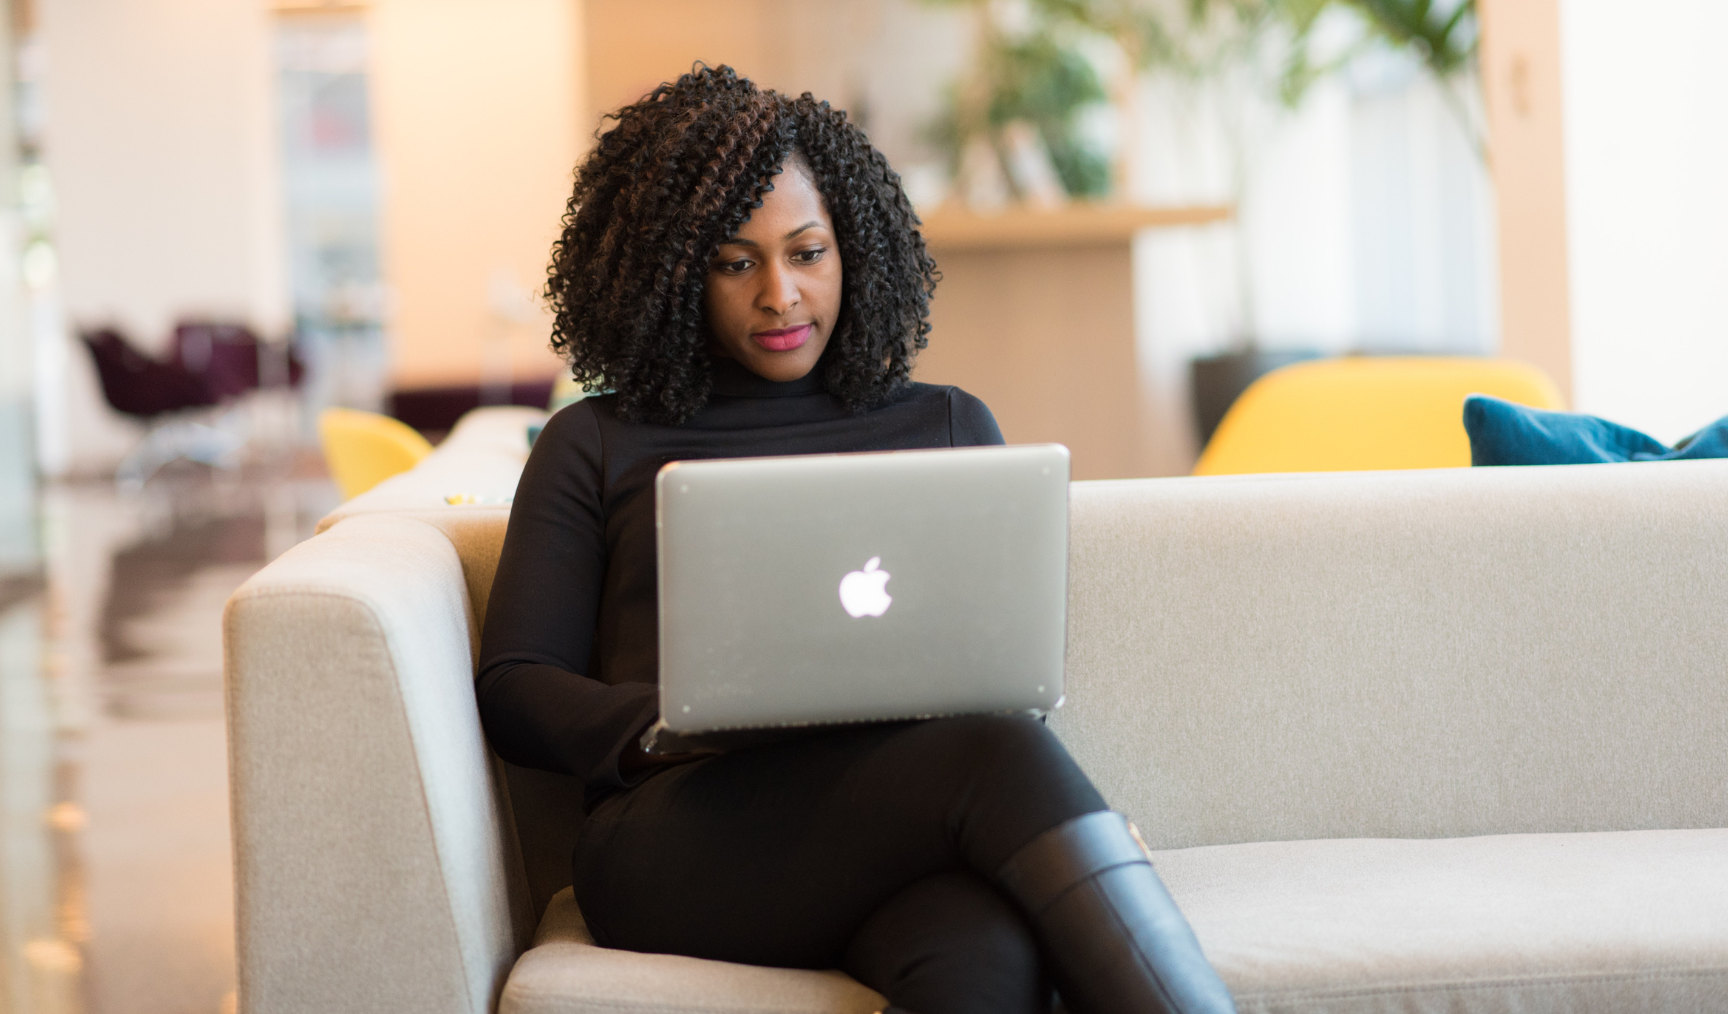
pixel 773 292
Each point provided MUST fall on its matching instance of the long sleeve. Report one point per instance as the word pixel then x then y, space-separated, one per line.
pixel 538 708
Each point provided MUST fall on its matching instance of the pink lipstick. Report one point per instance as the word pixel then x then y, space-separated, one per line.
pixel 783 339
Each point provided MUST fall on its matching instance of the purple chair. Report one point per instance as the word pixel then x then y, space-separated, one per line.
pixel 231 358
pixel 174 400
pixel 142 387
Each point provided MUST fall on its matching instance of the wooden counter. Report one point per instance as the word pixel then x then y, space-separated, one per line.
pixel 1035 315
pixel 953 228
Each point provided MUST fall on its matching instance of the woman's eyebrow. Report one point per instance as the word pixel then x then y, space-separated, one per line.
pixel 741 241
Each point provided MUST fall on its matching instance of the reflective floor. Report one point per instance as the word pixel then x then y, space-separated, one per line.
pixel 115 889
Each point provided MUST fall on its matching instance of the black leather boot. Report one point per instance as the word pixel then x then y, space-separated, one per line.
pixel 1115 940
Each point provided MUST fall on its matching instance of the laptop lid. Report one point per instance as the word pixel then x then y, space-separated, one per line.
pixel 859 587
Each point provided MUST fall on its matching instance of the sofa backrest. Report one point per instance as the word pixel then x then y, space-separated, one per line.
pixel 1430 653
pixel 1403 654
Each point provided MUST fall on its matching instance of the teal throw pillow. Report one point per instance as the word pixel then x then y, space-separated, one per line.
pixel 1505 433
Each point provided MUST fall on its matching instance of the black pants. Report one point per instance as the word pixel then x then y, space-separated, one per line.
pixel 869 849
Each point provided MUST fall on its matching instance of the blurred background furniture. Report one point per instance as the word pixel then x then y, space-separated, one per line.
pixel 1216 381
pixel 362 449
pixel 1365 412
pixel 434 411
pixel 232 360
pixel 476 465
pixel 1488 802
pixel 186 401
pixel 139 386
pixel 170 399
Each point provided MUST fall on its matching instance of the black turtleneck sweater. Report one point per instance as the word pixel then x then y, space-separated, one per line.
pixel 569 657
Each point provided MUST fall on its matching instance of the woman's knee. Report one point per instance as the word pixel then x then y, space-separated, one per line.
pixel 976 788
pixel 951 944
pixel 988 742
pixel 1015 766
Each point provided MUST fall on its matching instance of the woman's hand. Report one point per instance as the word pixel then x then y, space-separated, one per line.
pixel 635 761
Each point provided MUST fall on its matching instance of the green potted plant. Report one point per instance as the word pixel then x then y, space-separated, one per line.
pixel 1014 127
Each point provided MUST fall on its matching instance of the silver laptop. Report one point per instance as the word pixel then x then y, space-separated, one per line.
pixel 835 588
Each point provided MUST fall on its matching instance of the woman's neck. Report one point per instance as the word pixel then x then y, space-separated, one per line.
pixel 733 379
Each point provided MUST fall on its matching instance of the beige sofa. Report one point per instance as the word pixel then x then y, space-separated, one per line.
pixel 1403 742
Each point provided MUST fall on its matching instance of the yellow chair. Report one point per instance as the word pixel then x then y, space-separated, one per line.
pixel 362 449
pixel 1361 413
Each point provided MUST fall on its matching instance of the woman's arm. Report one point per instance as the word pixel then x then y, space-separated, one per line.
pixel 537 708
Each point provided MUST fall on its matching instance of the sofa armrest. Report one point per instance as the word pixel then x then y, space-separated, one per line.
pixel 375 868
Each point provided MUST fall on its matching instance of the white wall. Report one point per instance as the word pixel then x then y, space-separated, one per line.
pixel 1296 221
pixel 159 139
pixel 884 61
pixel 477 107
pixel 1422 211
pixel 1646 156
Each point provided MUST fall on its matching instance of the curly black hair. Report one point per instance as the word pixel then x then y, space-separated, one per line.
pixel 678 175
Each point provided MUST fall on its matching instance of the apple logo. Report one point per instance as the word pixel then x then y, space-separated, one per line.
pixel 862 592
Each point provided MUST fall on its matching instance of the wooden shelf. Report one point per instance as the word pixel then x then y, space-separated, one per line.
pixel 952 227
pixel 296 8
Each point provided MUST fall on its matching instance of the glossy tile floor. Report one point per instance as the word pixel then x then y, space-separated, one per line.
pixel 115 887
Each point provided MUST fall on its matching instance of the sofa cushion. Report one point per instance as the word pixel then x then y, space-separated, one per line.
pixel 1525 923
pixel 1509 924
pixel 567 973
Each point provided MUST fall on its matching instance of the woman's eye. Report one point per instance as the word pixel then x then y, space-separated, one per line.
pixel 810 256
pixel 736 267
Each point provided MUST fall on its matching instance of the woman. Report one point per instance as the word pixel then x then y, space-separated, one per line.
pixel 744 273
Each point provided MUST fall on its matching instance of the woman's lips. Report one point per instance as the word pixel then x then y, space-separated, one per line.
pixel 783 339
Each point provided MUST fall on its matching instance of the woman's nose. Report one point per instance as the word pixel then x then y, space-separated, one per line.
pixel 779 290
